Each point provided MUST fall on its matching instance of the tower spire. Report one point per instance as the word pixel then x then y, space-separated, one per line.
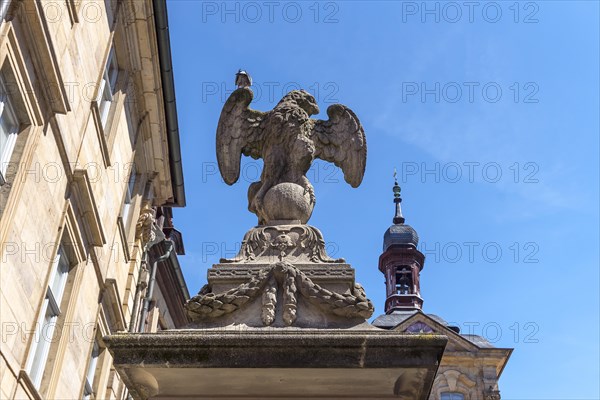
pixel 401 262
pixel 398 218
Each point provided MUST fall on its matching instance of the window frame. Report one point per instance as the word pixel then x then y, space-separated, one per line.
pixel 113 82
pixel 4 5
pixel 107 89
pixel 90 376
pixel 127 207
pixel 48 317
pixel 7 109
pixel 403 272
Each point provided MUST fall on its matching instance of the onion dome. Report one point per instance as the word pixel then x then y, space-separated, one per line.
pixel 399 233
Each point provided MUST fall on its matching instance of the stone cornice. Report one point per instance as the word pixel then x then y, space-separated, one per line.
pixel 234 348
pixel 360 363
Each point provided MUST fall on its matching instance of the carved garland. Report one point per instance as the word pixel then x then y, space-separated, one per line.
pixel 293 281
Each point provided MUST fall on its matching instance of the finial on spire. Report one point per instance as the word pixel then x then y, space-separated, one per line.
pixel 398 218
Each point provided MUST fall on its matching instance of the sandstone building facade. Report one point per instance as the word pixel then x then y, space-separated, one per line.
pixel 90 168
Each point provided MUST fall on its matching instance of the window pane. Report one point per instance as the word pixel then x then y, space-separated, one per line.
pixel 61 273
pixel 93 361
pixel 3 139
pixel 125 214
pixel 8 120
pixel 45 329
pixel 9 126
pixel 129 195
pixel 108 86
pixel 42 340
pixel 112 70
pixel 91 372
pixel 105 102
pixel 131 183
pixel 452 396
pixel 4 8
pixel 35 346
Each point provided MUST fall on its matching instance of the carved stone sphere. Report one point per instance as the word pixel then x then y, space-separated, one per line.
pixel 287 201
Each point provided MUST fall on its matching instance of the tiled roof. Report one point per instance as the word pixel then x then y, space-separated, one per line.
pixel 478 341
pixel 388 321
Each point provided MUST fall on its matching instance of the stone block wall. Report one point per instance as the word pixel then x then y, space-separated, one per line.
pixel 66 184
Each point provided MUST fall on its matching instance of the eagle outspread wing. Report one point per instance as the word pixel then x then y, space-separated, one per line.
pixel 341 140
pixel 239 132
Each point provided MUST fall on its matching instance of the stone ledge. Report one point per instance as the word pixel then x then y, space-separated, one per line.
pixel 277 362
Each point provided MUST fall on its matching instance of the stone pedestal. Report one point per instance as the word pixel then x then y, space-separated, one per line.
pixel 280 320
pixel 282 276
pixel 283 295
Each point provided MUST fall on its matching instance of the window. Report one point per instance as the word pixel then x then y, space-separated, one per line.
pixel 129 191
pixel 4 8
pixel 9 126
pixel 108 87
pixel 419 327
pixel 88 388
pixel 50 311
pixel 403 281
pixel 452 396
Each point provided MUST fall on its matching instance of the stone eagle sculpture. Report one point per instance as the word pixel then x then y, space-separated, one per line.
pixel 287 140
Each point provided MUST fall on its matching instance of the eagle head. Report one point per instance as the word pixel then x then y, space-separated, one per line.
pixel 304 100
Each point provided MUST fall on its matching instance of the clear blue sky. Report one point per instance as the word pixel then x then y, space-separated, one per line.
pixel 499 103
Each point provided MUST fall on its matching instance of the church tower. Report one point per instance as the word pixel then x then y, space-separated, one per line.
pixel 401 263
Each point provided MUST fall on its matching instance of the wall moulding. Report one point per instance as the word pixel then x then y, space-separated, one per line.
pixel 83 194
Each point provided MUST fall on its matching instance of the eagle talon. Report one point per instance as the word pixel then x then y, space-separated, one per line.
pixel 311 193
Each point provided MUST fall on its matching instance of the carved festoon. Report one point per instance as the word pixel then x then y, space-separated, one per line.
pixel 293 282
